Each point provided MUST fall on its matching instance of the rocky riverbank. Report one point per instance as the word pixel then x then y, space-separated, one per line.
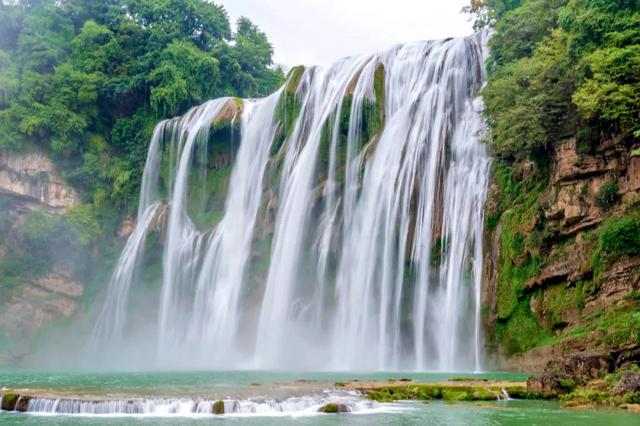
pixel 579 382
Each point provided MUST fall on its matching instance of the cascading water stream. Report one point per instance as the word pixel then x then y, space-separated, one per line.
pixel 359 188
pixel 187 407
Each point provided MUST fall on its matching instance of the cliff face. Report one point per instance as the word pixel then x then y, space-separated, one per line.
pixel 33 176
pixel 37 285
pixel 562 263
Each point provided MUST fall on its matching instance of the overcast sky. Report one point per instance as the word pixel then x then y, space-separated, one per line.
pixel 320 31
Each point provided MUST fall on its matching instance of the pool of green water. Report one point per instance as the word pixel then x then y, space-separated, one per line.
pixel 240 383
pixel 202 382
pixel 500 413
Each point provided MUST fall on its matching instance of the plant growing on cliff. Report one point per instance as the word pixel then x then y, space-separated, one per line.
pixel 620 236
pixel 556 69
pixel 82 220
pixel 607 195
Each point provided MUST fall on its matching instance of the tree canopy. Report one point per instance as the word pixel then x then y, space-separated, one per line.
pixel 86 80
pixel 560 67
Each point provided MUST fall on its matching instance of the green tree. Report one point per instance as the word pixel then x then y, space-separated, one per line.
pixel 87 80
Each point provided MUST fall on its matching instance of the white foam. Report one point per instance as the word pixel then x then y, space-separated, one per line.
pixel 302 406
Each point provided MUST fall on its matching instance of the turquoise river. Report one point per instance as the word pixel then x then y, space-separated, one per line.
pixel 294 399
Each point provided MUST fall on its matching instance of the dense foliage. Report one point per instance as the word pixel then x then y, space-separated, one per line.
pixel 558 67
pixel 86 80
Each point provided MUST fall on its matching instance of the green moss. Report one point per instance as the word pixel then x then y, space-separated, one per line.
pixel 617 236
pixel 209 177
pixel 287 113
pixel 521 331
pixel 437 250
pixel 378 83
pixel 455 395
pixel 515 265
pixel 83 221
pixel 333 408
pixel 451 393
pixel 372 119
pixel 519 259
pixel 9 401
pixel 525 241
pixel 293 79
pixel 580 295
pixel 559 299
pixel 615 328
pixel 585 396
pixel 325 146
pixel 288 109
pixel 206 202
pixel 218 407
pixel 620 236
pixel 607 195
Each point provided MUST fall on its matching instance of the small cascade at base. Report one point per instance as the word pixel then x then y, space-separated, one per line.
pixel 292 406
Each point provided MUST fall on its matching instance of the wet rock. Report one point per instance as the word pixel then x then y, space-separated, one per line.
pixel 619 279
pixel 572 214
pixel 633 408
pixel 629 382
pixel 550 384
pixel 60 285
pixel 33 175
pixel 31 308
pixel 333 408
pixel 218 407
pixel 582 367
pixel 525 170
pixel 127 227
pixel 22 404
pixel 9 401
pixel 552 274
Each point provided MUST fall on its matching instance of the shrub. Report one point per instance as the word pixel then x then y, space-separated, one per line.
pixel 607 194
pixel 619 236
pixel 585 140
pixel 83 222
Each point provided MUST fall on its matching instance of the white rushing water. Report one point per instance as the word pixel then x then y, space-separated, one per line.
pixel 373 256
pixel 309 405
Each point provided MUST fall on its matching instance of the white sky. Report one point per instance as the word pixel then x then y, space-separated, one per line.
pixel 321 31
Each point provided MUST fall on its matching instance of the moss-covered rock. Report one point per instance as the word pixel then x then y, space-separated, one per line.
pixel 9 401
pixel 334 408
pixel 448 392
pixel 22 404
pixel 218 407
pixel 288 109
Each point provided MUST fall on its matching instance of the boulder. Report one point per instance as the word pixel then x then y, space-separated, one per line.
pixel 9 401
pixel 218 407
pixel 22 404
pixel 629 382
pixel 333 408
pixel 550 384
pixel 583 366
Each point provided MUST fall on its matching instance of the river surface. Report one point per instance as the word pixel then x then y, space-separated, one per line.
pixel 295 399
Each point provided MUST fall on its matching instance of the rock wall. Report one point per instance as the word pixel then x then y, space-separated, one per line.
pixel 33 175
pixel 30 298
pixel 572 297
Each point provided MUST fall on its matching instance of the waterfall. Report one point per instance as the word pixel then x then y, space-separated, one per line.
pixel 350 236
